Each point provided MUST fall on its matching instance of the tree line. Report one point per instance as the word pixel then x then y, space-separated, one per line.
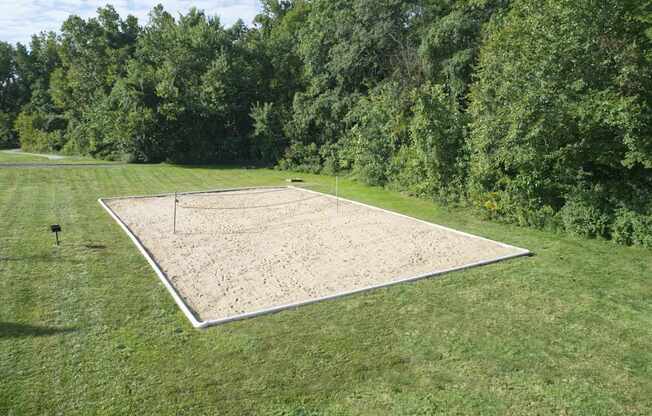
pixel 533 112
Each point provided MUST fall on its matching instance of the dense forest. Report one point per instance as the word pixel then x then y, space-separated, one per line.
pixel 532 112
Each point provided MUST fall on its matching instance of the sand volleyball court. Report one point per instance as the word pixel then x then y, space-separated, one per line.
pixel 242 253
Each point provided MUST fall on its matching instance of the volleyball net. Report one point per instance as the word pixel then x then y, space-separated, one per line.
pixel 254 207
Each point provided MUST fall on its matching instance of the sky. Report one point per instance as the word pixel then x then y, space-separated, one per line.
pixel 20 19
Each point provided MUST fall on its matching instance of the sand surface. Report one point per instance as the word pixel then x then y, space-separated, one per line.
pixel 242 251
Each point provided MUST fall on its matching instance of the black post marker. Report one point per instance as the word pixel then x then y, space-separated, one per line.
pixel 56 229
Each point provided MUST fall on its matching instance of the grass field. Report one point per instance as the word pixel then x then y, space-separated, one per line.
pixel 87 328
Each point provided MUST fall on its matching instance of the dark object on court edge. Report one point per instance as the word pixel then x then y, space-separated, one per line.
pixel 56 229
pixel 294 180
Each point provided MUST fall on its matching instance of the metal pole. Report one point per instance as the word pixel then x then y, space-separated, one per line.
pixel 174 224
pixel 56 235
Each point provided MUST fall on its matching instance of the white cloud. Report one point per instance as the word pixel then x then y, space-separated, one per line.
pixel 20 19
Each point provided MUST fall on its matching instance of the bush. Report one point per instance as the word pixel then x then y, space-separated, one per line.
pixel 39 132
pixel 632 228
pixel 545 122
pixel 267 136
pixel 437 139
pixel 7 136
pixel 300 157
pixel 408 173
pixel 330 155
pixel 583 216
pixel 30 136
pixel 508 206
pixel 378 127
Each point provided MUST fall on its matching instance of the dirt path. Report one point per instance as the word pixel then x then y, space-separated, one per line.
pixel 44 155
pixel 240 252
pixel 22 165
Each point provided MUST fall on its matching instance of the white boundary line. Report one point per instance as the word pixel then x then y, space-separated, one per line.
pixel 441 227
pixel 204 324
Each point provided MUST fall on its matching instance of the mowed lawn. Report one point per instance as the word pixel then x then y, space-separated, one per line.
pixel 87 328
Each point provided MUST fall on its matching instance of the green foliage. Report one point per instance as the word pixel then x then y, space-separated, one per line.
pixel 354 44
pixel 34 134
pixel 631 227
pixel 319 117
pixel 275 44
pixel 413 141
pixel 302 158
pixel 94 55
pixel 347 50
pixel 584 215
pixel 267 136
pixel 331 157
pixel 115 128
pixel 450 45
pixel 7 137
pixel 9 85
pixel 10 95
pixel 521 109
pixel 561 105
pixel 198 83
pixel 379 127
pixel 437 139
pixel 30 137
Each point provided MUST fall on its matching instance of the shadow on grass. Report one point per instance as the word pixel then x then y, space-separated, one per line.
pixel 11 330
pixel 222 166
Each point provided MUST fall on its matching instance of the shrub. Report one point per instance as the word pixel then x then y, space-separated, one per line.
pixel 545 122
pixel 7 137
pixel 407 172
pixel 330 155
pixel 632 228
pixel 583 216
pixel 31 137
pixel 437 138
pixel 300 157
pixel 378 127
pixel 267 136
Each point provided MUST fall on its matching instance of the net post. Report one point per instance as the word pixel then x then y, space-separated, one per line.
pixel 174 221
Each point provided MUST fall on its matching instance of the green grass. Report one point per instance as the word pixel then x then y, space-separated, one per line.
pixel 87 328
